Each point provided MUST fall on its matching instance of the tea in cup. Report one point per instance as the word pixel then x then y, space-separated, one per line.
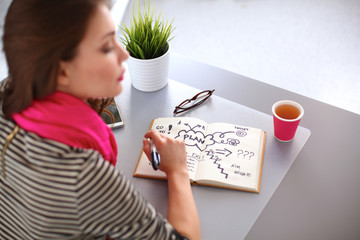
pixel 286 115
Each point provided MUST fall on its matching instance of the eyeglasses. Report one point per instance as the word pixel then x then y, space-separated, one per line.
pixel 195 101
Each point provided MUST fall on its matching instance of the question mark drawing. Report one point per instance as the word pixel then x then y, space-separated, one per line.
pixel 239 152
pixel 246 153
pixel 251 155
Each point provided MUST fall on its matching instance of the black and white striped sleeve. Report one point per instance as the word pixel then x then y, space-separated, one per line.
pixel 108 204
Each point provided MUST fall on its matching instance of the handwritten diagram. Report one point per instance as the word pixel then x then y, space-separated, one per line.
pixel 197 138
pixel 222 148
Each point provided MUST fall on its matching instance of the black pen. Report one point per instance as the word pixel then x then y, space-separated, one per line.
pixel 155 156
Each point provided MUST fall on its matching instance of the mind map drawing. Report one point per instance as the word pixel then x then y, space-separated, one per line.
pixel 192 137
pixel 228 160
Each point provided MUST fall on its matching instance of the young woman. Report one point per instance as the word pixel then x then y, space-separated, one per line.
pixel 57 175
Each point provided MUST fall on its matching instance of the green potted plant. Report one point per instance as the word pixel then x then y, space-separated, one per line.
pixel 147 40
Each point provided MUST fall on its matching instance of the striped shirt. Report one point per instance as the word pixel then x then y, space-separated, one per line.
pixel 49 190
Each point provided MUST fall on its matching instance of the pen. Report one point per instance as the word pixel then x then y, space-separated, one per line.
pixel 155 156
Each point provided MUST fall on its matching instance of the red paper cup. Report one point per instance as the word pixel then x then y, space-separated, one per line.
pixel 287 115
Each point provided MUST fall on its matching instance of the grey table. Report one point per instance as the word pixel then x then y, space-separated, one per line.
pixel 319 198
pixel 224 214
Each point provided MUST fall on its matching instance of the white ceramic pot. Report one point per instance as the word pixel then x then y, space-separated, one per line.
pixel 149 75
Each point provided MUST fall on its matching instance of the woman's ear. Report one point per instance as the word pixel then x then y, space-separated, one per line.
pixel 63 76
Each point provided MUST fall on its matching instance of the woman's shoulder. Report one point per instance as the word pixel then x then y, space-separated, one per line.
pixel 35 148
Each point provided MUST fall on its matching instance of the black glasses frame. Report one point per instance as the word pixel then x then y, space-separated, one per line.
pixel 204 95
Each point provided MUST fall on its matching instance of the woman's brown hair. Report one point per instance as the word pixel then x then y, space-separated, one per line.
pixel 38 34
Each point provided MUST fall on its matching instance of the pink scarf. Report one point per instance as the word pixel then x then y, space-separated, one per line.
pixel 69 120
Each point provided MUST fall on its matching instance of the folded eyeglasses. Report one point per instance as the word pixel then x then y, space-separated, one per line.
pixel 193 102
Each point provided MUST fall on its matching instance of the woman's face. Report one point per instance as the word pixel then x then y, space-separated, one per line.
pixel 97 70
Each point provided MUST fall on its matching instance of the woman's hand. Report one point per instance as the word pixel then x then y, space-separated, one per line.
pixel 182 211
pixel 172 153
